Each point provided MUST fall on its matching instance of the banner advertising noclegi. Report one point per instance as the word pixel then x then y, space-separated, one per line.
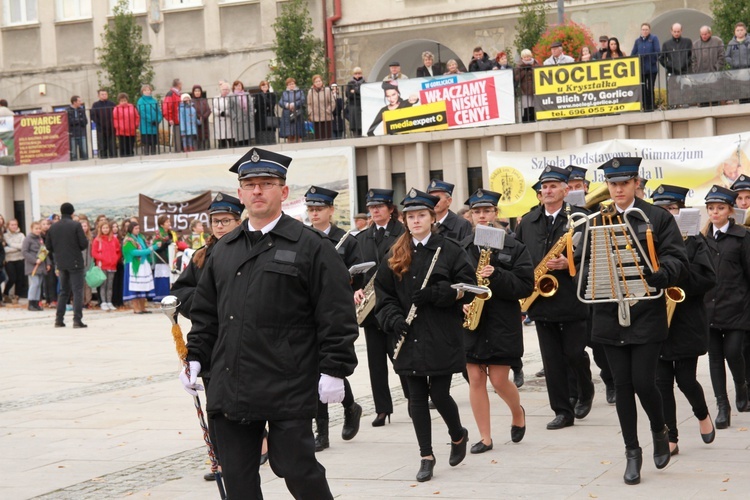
pixel 696 163
pixel 438 103
pixel 587 89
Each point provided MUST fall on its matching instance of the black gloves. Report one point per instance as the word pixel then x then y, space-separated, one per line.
pixel 441 294
pixel 658 280
pixel 422 297
pixel 400 328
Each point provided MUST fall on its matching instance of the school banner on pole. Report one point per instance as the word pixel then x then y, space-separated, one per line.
pixel 587 89
pixel 180 213
pixel 439 103
pixel 696 163
pixel 41 138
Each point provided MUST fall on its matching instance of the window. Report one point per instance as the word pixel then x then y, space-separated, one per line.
pixel 398 182
pixel 72 9
pixel 135 6
pixel 475 178
pixel 436 174
pixel 19 12
pixel 180 4
pixel 362 187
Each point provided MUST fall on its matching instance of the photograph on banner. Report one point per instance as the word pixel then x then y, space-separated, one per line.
pixel 114 189
pixel 7 149
pixel 439 103
pixel 696 163
pixel 41 138
pixel 591 88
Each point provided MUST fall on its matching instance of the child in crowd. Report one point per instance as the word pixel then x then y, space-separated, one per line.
pixel 188 123
pixel 106 251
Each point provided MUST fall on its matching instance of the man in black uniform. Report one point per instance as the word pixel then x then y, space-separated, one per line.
pixel 560 319
pixel 274 322
pixel 320 210
pixel 448 223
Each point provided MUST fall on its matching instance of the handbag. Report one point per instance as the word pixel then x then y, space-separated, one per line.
pixel 272 122
pixel 95 276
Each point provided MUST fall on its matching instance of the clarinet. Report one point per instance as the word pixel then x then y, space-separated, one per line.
pixel 413 310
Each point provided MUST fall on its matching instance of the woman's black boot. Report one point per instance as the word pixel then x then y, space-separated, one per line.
pixel 633 466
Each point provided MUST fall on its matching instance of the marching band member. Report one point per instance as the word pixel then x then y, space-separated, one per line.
pixel 320 210
pixel 497 343
pixel 688 331
pixel 633 351
pixel 728 314
pixel 374 243
pixel 433 344
pixel 560 319
pixel 742 187
pixel 448 223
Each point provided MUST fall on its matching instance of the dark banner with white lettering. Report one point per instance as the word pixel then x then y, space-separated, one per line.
pixel 180 213
pixel 587 89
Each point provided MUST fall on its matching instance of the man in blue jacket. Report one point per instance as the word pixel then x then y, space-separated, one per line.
pixel 647 48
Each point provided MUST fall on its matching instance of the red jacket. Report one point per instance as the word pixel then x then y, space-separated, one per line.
pixel 170 106
pixel 106 252
pixel 126 119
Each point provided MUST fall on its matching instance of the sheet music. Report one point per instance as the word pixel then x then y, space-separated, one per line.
pixel 740 215
pixel 689 221
pixel 466 287
pixel 576 198
pixel 361 268
pixel 486 236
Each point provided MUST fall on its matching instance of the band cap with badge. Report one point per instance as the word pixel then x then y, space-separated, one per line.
pixel 622 168
pixel 576 173
pixel 419 200
pixel 261 163
pixel 379 197
pixel 554 174
pixel 667 194
pixel 720 194
pixel 224 203
pixel 436 185
pixel 741 184
pixel 317 196
pixel 483 198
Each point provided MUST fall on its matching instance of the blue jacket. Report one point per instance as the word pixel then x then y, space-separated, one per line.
pixel 188 119
pixel 643 47
pixel 150 113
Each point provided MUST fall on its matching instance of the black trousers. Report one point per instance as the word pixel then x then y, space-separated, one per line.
pixel 725 344
pixel 437 388
pixel 746 352
pixel 16 278
pixel 70 282
pixel 346 403
pixel 107 143
pixel 379 350
pixel 291 453
pixel 50 286
pixel 634 369
pixel 647 90
pixel 563 347
pixel 683 371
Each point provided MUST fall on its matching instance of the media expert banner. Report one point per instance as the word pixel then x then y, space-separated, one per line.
pixel 440 103
pixel 587 89
pixel 180 213
pixel 41 138
pixel 696 163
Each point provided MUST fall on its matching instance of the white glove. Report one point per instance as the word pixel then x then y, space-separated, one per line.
pixel 189 383
pixel 330 389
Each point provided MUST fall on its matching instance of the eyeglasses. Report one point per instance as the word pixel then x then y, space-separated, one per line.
pixel 222 222
pixel 265 186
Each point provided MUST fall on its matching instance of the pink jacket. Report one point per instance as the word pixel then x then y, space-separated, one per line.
pixel 106 252
pixel 126 119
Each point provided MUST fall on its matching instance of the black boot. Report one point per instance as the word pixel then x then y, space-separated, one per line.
pixel 661 448
pixel 741 397
pixel 352 415
pixel 724 416
pixel 633 466
pixel 321 438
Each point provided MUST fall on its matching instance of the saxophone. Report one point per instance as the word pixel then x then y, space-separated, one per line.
pixel 471 320
pixel 545 284
pixel 364 307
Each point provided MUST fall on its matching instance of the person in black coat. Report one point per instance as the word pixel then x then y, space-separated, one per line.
pixel 560 319
pixel 66 241
pixel 497 342
pixel 374 243
pixel 480 61
pixel 224 212
pixel 688 331
pixel 633 351
pixel 320 210
pixel 677 53
pixel 77 122
pixel 354 102
pixel 727 304
pixel 266 121
pixel 448 223
pixel 101 116
pixel 429 68
pixel 274 323
pixel 432 349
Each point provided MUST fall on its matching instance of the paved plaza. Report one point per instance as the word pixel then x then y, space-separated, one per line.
pixel 98 413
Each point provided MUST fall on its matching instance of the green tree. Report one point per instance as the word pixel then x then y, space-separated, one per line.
pixel 727 13
pixel 531 23
pixel 299 54
pixel 124 58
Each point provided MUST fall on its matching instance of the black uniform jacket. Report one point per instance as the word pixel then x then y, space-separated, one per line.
pixel 455 227
pixel 532 231
pixel 500 333
pixel 434 345
pixel 688 333
pixel 349 251
pixel 268 319
pixel 727 304
pixel 374 252
pixel 184 287
pixel 648 318
pixel 65 240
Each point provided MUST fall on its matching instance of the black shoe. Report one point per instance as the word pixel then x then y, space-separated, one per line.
pixel 540 373
pixel 709 438
pixel 425 470
pixel 517 433
pixel 209 476
pixel 518 378
pixel 741 397
pixel 264 458
pixel 675 451
pixel 380 419
pixel 480 447
pixel 458 451
pixel 431 405
pixel 633 466
pixel 611 397
pixel 321 436
pixel 80 325
pixel 352 415
pixel 560 422
pixel 661 448
pixel 573 402
pixel 59 324
pixel 724 416
pixel 583 408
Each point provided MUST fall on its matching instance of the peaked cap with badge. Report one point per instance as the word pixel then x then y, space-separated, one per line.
pixel 261 163
pixel 621 169
pixel 317 196
pixel 419 200
pixel 224 203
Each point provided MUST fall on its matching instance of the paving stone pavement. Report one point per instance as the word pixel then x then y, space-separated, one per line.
pixel 99 413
